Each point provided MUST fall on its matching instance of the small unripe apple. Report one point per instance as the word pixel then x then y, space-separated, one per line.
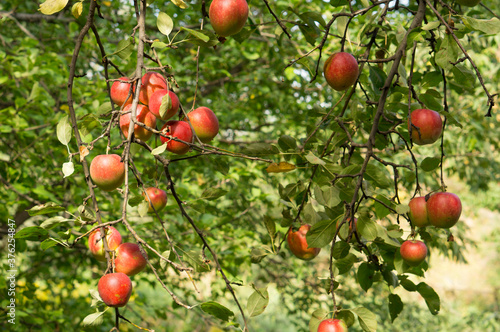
pixel 332 325
pixel 107 171
pixel 341 70
pixel 298 243
pixel 120 91
pixel 444 210
pixel 96 246
pixel 205 123
pixel 468 3
pixel 143 115
pixel 151 82
pixel 115 289
pixel 427 126
pixel 418 212
pixel 157 198
pixel 413 252
pixel 180 130
pixel 228 17
pixel 155 103
pixel 129 259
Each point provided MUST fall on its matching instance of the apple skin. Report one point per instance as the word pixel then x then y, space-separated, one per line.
pixel 444 209
pixel 228 17
pixel 205 123
pixel 180 130
pixel 413 252
pixel 129 259
pixel 151 82
pixel 429 123
pixel 298 243
pixel 341 70
pixel 107 171
pixel 143 115
pixel 115 289
pixel 418 212
pixel 348 222
pixel 96 246
pixel 332 325
pixel 468 3
pixel 119 92
pixel 155 103
pixel 157 198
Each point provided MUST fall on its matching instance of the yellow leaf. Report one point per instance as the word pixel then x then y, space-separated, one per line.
pixel 50 7
pixel 106 3
pixel 282 167
pixel 180 4
pixel 76 10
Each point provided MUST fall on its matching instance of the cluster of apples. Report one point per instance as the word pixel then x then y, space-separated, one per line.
pixel 115 288
pixel 160 103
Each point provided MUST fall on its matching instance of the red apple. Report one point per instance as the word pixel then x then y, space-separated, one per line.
pixel 341 70
pixel 228 16
pixel 96 246
pixel 129 259
pixel 180 130
pixel 155 103
pixel 413 252
pixel 332 325
pixel 429 124
pixel 115 289
pixel 120 91
pixel 444 210
pixel 107 171
pixel 151 82
pixel 298 243
pixel 205 123
pixel 143 115
pixel 418 212
pixel 156 197
pixel 468 3
pixel 348 222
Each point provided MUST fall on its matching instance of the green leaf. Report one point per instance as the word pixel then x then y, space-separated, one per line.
pixel 338 3
pixel 491 26
pixel 64 130
pixel 367 228
pixel 194 258
pixel 395 306
pixel 166 104
pixel 45 209
pixel 135 200
pixel 430 296
pixel 347 316
pixel 341 249
pixel 93 319
pixel 402 208
pixel 431 102
pixel 314 160
pixel 431 25
pixel 329 197
pixel 164 23
pixel 378 175
pixel 33 233
pixel 377 78
pixel 50 7
pixel 287 143
pixel 321 233
pixel 448 52
pixel 220 165
pixel 180 4
pixel 408 284
pixel 124 48
pixel 346 263
pixel 217 310
pixel 159 45
pixel 316 318
pixel 270 226
pixel 159 149
pixel 48 243
pixel 213 193
pixel 365 276
pixel 258 254
pixel 197 34
pixel 257 149
pixel 143 208
pixel 366 318
pixel 257 302
pixel 53 222
pixel 430 164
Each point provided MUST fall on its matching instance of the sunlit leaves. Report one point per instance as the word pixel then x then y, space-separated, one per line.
pixel 257 302
pixel 164 23
pixel 50 7
pixel 448 52
pixel 77 9
pixel 64 130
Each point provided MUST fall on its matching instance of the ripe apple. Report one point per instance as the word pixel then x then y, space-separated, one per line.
pixel 348 222
pixel 120 91
pixel 298 243
pixel 341 70
pixel 332 325
pixel 151 82
pixel 107 171
pixel 115 289
pixel 180 130
pixel 418 212
pixel 143 115
pixel 468 3
pixel 429 124
pixel 444 209
pixel 228 16
pixel 96 246
pixel 157 198
pixel 413 252
pixel 205 123
pixel 129 259
pixel 155 103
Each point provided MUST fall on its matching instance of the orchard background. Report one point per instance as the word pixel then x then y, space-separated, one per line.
pixel 218 247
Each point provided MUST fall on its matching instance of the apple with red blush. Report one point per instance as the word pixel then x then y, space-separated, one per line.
pixel 129 259
pixel 115 289
pixel 298 244
pixel 180 130
pixel 228 17
pixel 120 91
pixel 413 252
pixel 142 115
pixel 341 70
pixel 332 325
pixel 426 126
pixel 95 243
pixel 156 100
pixel 418 212
pixel 444 209
pixel 205 123
pixel 150 83
pixel 107 171
pixel 156 198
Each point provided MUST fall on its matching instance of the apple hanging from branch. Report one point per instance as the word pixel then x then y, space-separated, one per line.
pixel 95 243
pixel 120 91
pixel 115 289
pixel 341 70
pixel 418 212
pixel 444 209
pixel 413 252
pixel 107 171
pixel 426 126
pixel 143 115
pixel 332 325
pixel 157 198
pixel 129 259
pixel 228 17
pixel 298 243
pixel 180 130
pixel 150 83
pixel 171 106
pixel 205 123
